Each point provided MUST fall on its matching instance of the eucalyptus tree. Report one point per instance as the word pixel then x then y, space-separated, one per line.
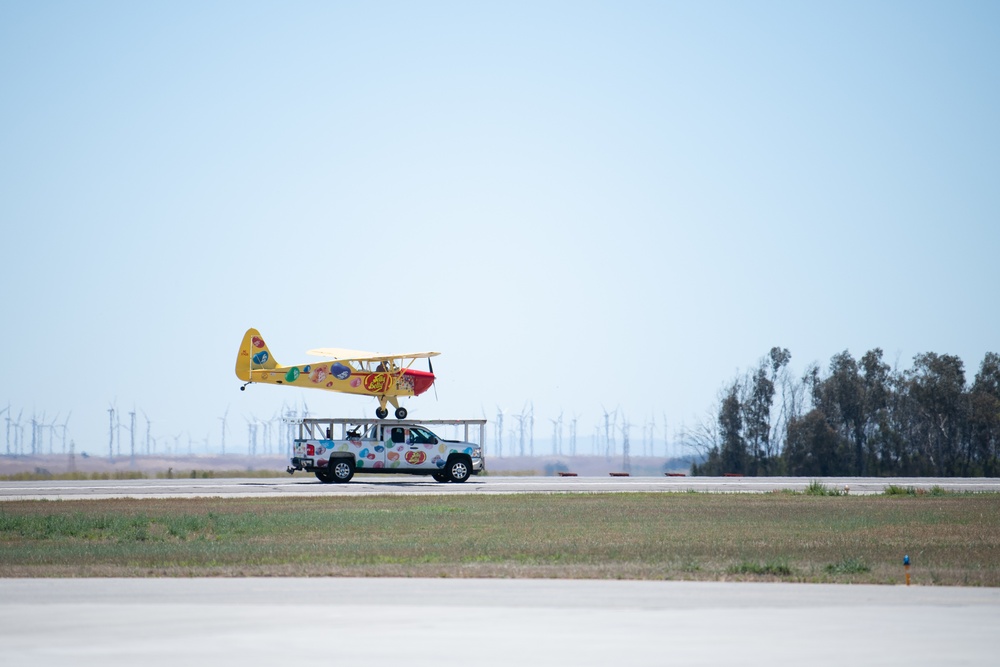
pixel 937 388
pixel 733 447
pixel 814 448
pixel 756 431
pixel 984 417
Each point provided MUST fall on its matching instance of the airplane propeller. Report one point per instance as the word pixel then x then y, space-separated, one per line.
pixel 430 367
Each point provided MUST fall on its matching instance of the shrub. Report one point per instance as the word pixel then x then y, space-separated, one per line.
pixel 775 568
pixel 848 566
pixel 816 488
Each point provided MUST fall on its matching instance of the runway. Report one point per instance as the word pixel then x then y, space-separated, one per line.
pixel 110 622
pixel 303 485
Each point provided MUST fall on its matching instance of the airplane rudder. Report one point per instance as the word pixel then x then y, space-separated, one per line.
pixel 261 356
pixel 253 354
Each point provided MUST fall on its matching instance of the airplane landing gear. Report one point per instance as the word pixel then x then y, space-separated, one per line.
pixel 400 413
pixel 381 413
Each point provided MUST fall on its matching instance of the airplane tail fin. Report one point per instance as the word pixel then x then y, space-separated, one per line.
pixel 253 355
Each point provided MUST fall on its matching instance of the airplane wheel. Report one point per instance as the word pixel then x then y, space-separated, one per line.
pixel 400 413
pixel 381 413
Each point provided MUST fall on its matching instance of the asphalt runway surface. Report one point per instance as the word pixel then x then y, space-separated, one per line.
pixel 323 621
pixel 307 485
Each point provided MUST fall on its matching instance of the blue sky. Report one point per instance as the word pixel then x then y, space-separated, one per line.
pixel 583 205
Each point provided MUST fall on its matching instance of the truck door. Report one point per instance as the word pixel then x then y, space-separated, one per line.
pixel 396 447
pixel 419 448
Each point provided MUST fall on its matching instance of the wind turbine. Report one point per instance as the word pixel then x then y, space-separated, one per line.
pixel 34 432
pixel 607 433
pixel 111 433
pixel 251 435
pixel 557 434
pixel 520 433
pixel 614 424
pixel 52 427
pixel 531 428
pixel 626 427
pixel 499 431
pixel 131 432
pixel 572 435
pixel 148 425
pixel 7 410
pixel 62 428
pixel 666 442
pixel 18 433
pixel 274 432
pixel 223 420
pixel 118 434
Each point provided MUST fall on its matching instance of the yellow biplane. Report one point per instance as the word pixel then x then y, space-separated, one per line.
pixel 385 377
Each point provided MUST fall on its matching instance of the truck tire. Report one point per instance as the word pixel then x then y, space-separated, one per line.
pixel 341 470
pixel 440 476
pixel 459 468
pixel 324 476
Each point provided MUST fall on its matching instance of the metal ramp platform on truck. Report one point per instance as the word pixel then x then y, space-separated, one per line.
pixel 310 428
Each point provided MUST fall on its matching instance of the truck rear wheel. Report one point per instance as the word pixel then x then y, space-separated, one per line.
pixel 341 470
pixel 459 469
pixel 324 476
pixel 440 476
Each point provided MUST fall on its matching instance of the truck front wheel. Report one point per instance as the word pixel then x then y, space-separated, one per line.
pixel 341 470
pixel 459 469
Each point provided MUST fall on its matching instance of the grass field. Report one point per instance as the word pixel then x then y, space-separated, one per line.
pixel 951 539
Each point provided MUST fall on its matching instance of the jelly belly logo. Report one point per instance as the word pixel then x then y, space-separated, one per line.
pixel 415 458
pixel 378 382
pixel 257 342
pixel 260 358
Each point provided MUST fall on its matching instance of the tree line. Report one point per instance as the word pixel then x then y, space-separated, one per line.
pixel 859 418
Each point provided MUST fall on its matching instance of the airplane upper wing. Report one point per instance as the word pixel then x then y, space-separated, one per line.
pixel 342 354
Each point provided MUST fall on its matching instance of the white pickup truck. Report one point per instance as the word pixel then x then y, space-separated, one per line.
pixel 389 446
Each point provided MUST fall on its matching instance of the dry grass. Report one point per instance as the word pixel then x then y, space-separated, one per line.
pixel 951 540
